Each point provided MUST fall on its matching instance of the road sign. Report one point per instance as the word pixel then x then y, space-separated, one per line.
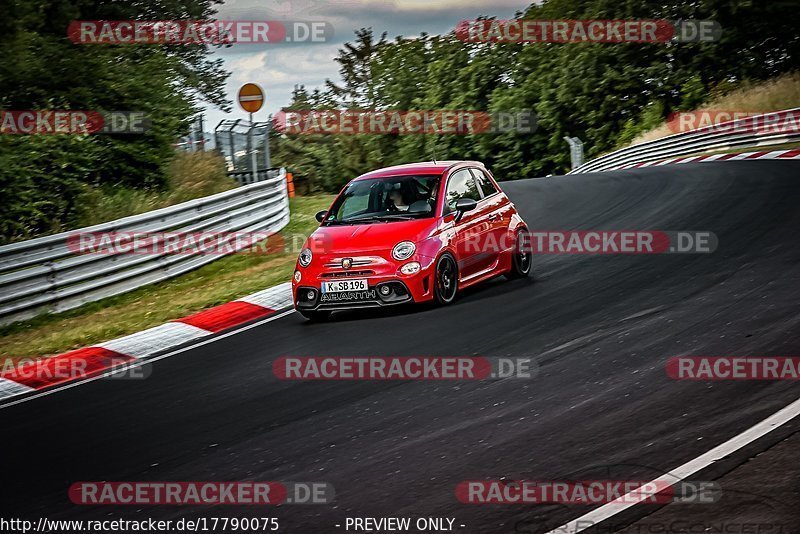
pixel 251 97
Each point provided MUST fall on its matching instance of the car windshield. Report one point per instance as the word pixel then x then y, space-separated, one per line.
pixel 394 198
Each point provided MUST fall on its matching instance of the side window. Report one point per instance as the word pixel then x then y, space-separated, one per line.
pixel 460 185
pixel 485 183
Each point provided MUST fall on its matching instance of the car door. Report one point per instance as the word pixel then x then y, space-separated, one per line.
pixel 471 229
pixel 498 213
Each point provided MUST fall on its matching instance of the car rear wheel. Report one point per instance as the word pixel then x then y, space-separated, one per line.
pixel 522 257
pixel 446 283
pixel 316 316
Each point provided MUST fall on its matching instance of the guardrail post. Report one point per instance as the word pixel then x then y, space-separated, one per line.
pixel 290 184
pixel 575 151
pixel 267 159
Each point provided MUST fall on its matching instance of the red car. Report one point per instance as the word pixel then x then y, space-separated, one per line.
pixel 410 233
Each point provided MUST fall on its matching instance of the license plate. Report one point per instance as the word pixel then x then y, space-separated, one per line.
pixel 342 286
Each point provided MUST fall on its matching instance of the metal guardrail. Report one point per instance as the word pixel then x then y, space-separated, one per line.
pixel 46 275
pixel 754 131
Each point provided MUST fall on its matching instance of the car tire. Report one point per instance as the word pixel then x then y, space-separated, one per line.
pixel 445 282
pixel 521 260
pixel 316 316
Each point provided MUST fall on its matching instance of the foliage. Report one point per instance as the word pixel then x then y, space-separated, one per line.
pixel 190 175
pixel 605 94
pixel 42 177
pixel 775 94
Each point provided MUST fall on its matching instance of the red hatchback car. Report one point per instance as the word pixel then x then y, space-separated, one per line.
pixel 410 233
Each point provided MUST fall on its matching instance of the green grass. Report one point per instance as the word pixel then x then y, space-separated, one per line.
pixel 190 175
pixel 221 281
pixel 776 94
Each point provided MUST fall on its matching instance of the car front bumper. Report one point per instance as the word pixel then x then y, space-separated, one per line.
pixel 401 288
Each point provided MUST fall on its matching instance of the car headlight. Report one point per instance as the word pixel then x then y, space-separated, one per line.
pixel 305 257
pixel 410 268
pixel 403 250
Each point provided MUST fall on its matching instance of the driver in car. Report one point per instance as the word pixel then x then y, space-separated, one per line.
pixel 396 202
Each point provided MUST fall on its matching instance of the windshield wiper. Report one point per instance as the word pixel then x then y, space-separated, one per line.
pixel 350 222
pixel 383 218
pixel 404 216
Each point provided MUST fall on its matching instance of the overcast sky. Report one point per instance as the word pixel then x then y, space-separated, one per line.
pixel 278 68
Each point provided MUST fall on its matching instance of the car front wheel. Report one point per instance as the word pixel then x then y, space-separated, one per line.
pixel 446 282
pixel 522 257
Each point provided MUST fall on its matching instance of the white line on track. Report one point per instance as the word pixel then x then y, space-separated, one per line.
pixel 756 431
pixel 136 364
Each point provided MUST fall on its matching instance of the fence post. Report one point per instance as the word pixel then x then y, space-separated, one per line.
pixel 575 151
pixel 290 184
pixel 267 130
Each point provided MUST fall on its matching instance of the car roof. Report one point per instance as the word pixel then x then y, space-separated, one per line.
pixel 423 167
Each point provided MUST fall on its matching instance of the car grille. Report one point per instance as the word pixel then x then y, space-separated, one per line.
pixel 354 263
pixel 346 274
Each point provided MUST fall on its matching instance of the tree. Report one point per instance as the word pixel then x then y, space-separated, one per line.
pixel 603 93
pixel 43 177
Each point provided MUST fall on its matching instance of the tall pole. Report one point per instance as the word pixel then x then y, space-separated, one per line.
pixel 232 144
pixel 267 130
pixel 253 159
pixel 202 134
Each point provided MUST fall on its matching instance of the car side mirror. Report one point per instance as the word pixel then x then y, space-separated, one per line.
pixel 464 205
pixel 320 216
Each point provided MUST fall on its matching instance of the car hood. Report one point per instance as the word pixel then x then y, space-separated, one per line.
pixel 373 237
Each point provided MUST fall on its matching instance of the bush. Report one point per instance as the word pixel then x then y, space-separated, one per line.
pixel 190 175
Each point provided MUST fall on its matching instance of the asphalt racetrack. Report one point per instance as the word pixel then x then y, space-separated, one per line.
pixel 602 406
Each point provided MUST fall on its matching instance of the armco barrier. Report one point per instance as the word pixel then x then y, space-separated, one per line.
pixel 755 131
pixel 44 275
